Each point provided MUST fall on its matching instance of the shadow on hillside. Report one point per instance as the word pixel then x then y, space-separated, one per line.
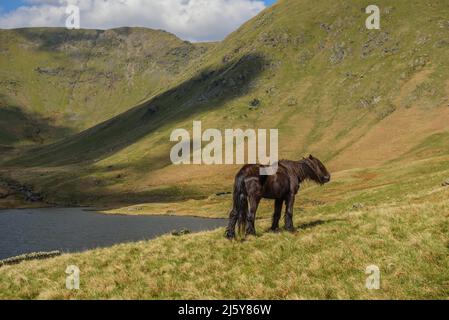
pixel 209 89
pixel 108 200
pixel 20 127
pixel 316 223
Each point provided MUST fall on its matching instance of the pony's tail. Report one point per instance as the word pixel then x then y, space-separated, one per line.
pixel 240 204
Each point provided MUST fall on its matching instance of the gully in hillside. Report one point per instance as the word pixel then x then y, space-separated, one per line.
pixel 250 187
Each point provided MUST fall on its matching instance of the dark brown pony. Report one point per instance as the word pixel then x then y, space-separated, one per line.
pixel 250 187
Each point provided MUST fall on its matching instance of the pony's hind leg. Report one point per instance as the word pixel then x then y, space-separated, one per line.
pixel 230 230
pixel 277 214
pixel 251 218
pixel 254 192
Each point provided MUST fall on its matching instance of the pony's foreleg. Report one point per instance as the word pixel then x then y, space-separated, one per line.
pixel 290 202
pixel 277 214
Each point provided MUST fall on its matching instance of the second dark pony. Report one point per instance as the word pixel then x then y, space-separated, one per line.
pixel 250 187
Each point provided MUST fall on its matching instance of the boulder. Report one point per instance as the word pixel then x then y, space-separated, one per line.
pixel 357 206
pixel 254 104
pixel 180 232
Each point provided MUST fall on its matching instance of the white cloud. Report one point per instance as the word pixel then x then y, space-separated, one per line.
pixel 195 20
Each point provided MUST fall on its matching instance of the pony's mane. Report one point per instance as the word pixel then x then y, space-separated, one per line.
pixel 306 169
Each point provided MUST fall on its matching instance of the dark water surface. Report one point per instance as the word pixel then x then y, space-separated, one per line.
pixel 75 229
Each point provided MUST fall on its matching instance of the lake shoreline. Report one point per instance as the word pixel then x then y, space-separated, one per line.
pixel 79 229
pixel 112 213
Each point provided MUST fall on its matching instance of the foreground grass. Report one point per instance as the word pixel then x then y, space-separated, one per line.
pixel 325 259
pixel 401 227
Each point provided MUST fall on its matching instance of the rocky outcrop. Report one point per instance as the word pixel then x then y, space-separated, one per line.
pixel 29 256
pixel 15 188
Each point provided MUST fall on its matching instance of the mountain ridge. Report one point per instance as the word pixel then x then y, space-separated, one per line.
pixel 78 78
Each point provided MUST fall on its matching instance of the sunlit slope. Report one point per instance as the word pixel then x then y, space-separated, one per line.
pixel 74 79
pixel 351 96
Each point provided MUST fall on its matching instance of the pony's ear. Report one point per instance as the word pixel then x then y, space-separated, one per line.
pixel 311 157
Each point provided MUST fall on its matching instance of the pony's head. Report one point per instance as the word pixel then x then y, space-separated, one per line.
pixel 318 171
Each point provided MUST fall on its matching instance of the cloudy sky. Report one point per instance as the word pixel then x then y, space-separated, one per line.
pixel 194 20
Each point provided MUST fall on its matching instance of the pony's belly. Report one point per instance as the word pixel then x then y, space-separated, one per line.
pixel 275 191
pixel 273 195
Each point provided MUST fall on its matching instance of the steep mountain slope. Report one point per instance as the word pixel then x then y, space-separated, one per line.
pixel 55 82
pixel 352 96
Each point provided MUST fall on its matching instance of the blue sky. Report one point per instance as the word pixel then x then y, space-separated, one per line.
pixel 9 5
pixel 193 20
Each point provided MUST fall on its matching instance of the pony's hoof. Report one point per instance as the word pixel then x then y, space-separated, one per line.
pixel 230 235
pixel 291 230
pixel 274 230
pixel 250 234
